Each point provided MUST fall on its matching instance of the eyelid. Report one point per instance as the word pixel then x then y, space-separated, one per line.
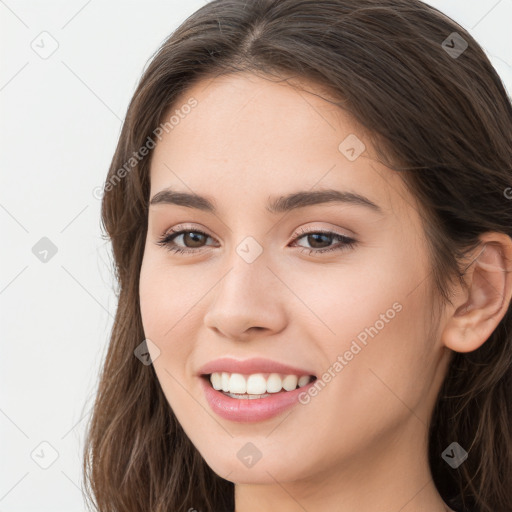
pixel 167 239
pixel 330 230
pixel 186 227
pixel 297 232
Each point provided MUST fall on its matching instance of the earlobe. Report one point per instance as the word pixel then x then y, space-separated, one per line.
pixel 486 297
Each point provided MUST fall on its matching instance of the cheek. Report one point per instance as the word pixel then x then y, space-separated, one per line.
pixel 166 294
pixel 162 305
pixel 153 299
pixel 172 304
pixel 168 318
pixel 374 312
pixel 341 302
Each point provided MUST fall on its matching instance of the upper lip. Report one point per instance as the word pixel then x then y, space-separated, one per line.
pixel 250 366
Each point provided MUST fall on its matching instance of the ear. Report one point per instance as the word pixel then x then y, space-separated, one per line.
pixel 482 303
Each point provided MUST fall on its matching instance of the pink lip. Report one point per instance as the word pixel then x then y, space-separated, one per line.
pixel 251 410
pixel 250 366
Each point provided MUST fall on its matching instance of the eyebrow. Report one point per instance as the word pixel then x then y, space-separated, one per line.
pixel 275 205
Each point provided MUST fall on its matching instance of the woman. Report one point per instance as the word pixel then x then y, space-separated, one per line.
pixel 311 219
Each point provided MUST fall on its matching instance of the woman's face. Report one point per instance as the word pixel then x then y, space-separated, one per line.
pixel 274 278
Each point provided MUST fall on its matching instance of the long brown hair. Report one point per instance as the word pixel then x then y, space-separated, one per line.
pixel 441 119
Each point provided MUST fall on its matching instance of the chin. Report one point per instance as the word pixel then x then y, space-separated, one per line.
pixel 260 472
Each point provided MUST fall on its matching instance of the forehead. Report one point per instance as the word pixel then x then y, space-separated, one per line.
pixel 248 137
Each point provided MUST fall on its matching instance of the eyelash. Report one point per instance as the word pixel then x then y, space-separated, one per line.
pixel 167 240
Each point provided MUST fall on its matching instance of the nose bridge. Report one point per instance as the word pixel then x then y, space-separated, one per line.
pixel 245 296
pixel 247 271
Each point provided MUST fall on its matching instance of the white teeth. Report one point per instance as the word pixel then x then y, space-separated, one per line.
pixel 274 383
pixel 258 384
pixel 303 380
pixel 290 382
pixel 237 384
pixel 225 381
pixel 216 380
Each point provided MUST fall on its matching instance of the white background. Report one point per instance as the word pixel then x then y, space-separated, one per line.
pixel 60 119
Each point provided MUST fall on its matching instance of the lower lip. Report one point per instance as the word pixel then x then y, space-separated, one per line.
pixel 251 410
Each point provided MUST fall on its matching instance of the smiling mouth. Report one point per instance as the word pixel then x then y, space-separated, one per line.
pixel 257 385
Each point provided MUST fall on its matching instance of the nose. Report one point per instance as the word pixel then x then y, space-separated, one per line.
pixel 248 302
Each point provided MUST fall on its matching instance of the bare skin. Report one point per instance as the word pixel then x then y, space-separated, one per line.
pixel 361 442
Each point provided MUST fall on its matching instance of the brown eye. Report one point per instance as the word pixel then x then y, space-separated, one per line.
pixel 193 239
pixel 318 240
pixel 184 240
